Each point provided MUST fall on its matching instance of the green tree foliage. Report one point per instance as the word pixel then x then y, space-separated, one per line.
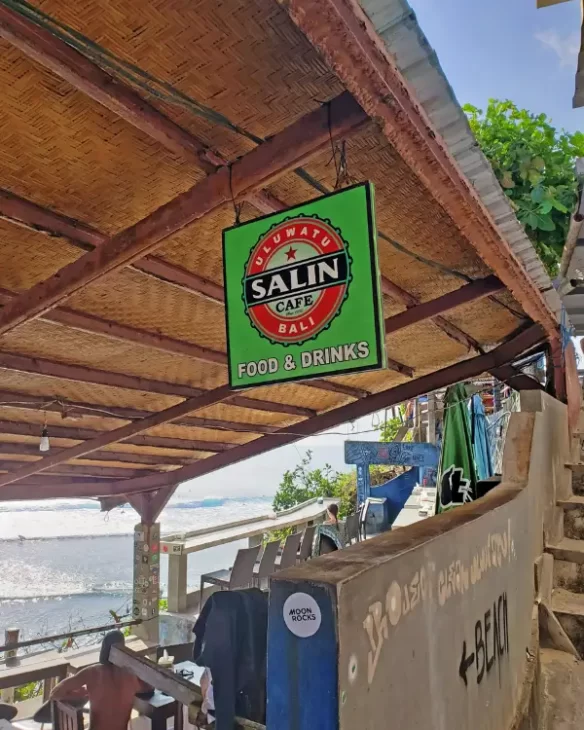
pixel 303 483
pixel 535 164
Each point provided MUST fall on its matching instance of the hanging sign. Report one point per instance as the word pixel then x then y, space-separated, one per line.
pixel 302 292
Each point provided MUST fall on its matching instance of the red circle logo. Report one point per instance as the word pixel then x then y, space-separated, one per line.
pixel 296 280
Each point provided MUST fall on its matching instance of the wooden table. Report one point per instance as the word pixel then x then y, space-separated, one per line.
pixel 162 706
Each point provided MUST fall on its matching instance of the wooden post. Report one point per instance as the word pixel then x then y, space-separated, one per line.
pixel 11 636
pixel 146 595
pixel 177 579
pixel 431 418
pixel 254 540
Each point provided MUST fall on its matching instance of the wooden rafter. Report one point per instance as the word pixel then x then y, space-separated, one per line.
pixel 15 399
pixel 281 153
pixel 70 65
pixel 80 373
pixel 345 37
pixel 19 428
pixel 106 472
pixel 130 433
pixel 15 449
pixel 464 295
pixel 97 325
pixel 434 307
pixel 464 370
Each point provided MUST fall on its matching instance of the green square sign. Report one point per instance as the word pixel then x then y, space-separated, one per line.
pixel 302 292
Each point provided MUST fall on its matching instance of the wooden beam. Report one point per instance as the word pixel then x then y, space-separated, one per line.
pixel 29 215
pixel 82 470
pixel 14 399
pixel 344 36
pixel 10 448
pixel 427 310
pixel 281 153
pixel 464 370
pixel 131 433
pixel 515 378
pixel 96 325
pixel 399 294
pixel 149 505
pixel 90 79
pixel 86 434
pixel 63 371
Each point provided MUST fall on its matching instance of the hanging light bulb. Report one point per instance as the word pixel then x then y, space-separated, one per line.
pixel 44 444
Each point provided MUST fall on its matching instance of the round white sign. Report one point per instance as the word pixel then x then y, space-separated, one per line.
pixel 302 615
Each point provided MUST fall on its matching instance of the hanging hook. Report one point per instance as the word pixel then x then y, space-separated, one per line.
pixel 236 208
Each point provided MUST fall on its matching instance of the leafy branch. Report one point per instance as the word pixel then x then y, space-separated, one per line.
pixel 535 164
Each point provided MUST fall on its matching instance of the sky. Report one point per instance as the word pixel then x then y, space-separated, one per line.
pixel 505 49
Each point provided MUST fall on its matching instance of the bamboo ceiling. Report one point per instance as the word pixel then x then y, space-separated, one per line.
pixel 143 338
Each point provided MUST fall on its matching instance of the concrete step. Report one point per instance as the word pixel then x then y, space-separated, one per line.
pixel 567 602
pixel 577 478
pixel 568 575
pixel 569 610
pixel 573 516
pixel 568 549
pixel 561 702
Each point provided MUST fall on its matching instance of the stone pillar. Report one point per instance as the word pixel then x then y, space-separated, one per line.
pixel 146 593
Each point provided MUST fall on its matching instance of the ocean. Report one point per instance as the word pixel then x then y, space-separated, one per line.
pixel 64 564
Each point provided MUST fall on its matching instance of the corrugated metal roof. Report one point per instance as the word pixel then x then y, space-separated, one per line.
pixel 396 23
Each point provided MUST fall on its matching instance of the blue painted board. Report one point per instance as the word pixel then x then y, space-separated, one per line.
pixel 302 684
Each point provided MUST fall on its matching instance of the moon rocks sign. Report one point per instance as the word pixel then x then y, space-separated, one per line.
pixel 302 292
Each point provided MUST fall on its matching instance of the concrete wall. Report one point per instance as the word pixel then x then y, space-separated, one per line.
pixel 428 626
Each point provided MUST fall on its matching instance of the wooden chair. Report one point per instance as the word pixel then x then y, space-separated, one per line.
pixel 239 576
pixel 267 564
pixel 65 716
pixel 306 545
pixel 290 551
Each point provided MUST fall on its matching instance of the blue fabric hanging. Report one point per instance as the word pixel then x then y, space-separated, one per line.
pixel 480 439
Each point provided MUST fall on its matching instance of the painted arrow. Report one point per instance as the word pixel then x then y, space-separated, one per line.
pixel 465 663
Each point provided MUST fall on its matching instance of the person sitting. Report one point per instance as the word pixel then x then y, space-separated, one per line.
pixel 332 515
pixel 109 689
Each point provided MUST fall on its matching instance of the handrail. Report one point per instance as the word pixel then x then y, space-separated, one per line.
pixel 69 634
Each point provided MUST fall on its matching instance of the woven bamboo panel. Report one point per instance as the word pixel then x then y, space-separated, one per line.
pixel 71 390
pixel 120 464
pixel 93 423
pixel 130 298
pixel 56 342
pixel 485 320
pixel 226 412
pixel 244 58
pixel 176 431
pixel 126 448
pixel 199 246
pixel 65 151
pixel 29 257
pixel 8 438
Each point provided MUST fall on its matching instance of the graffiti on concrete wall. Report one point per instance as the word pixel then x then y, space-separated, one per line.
pixel 438 585
pixel 489 644
pixel 394 452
